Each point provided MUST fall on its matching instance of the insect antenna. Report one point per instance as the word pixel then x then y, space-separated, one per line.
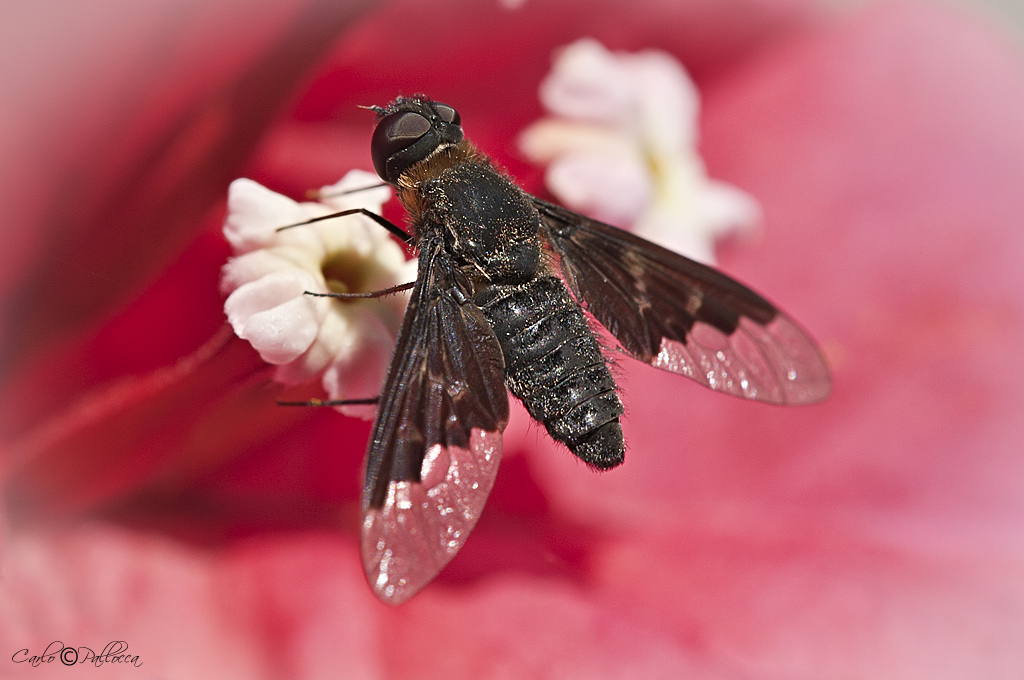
pixel 379 110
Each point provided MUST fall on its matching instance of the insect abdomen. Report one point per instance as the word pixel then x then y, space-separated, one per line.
pixel 554 365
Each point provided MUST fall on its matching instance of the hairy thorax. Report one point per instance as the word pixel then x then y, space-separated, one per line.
pixel 487 222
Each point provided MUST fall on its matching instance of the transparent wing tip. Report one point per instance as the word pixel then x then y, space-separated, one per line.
pixel 422 525
pixel 777 363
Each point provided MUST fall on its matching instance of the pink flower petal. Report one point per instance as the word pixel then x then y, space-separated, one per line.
pixel 891 233
pixel 235 610
pixel 559 631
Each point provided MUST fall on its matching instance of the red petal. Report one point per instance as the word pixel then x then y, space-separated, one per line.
pixel 123 207
pixel 145 429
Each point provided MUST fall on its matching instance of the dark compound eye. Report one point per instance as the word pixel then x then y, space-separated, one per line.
pixel 395 133
pixel 447 114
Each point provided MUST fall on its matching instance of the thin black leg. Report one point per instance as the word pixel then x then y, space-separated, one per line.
pixel 379 219
pixel 374 294
pixel 331 402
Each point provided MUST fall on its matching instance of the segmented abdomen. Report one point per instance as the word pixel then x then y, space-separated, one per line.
pixel 554 365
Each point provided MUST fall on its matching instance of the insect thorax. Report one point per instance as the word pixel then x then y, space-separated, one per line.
pixel 553 362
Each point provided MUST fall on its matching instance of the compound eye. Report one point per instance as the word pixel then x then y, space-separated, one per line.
pixel 395 133
pixel 447 114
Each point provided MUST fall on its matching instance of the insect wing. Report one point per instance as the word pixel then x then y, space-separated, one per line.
pixel 436 442
pixel 684 317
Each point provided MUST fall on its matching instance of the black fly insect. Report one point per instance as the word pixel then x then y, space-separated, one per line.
pixel 489 311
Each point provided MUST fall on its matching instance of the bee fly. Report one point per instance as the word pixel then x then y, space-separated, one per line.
pixel 489 311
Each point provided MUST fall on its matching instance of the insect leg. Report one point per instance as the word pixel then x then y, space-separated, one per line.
pixel 373 294
pixel 382 221
pixel 331 402
pixel 316 194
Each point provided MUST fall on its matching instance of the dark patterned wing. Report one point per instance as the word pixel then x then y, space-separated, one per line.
pixel 684 317
pixel 436 441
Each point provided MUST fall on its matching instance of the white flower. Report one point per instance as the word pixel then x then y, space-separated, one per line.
pixel 622 147
pixel 346 344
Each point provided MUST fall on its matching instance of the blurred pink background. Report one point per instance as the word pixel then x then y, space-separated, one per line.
pixel 170 504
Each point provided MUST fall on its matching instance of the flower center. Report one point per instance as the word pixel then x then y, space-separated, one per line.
pixel 346 271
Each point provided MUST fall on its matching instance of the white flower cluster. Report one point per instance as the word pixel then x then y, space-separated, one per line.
pixel 622 147
pixel 345 343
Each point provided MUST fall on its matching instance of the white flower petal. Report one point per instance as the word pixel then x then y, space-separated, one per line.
pixel 283 333
pixel 268 292
pixel 588 83
pixel 304 245
pixel 625 148
pixel 335 332
pixel 667 100
pixel 251 266
pixel 254 212
pixel 547 139
pixel 615 188
pixel 265 283
pixel 364 238
pixel 373 200
pixel 356 374
pixel 662 227
pixel 725 207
